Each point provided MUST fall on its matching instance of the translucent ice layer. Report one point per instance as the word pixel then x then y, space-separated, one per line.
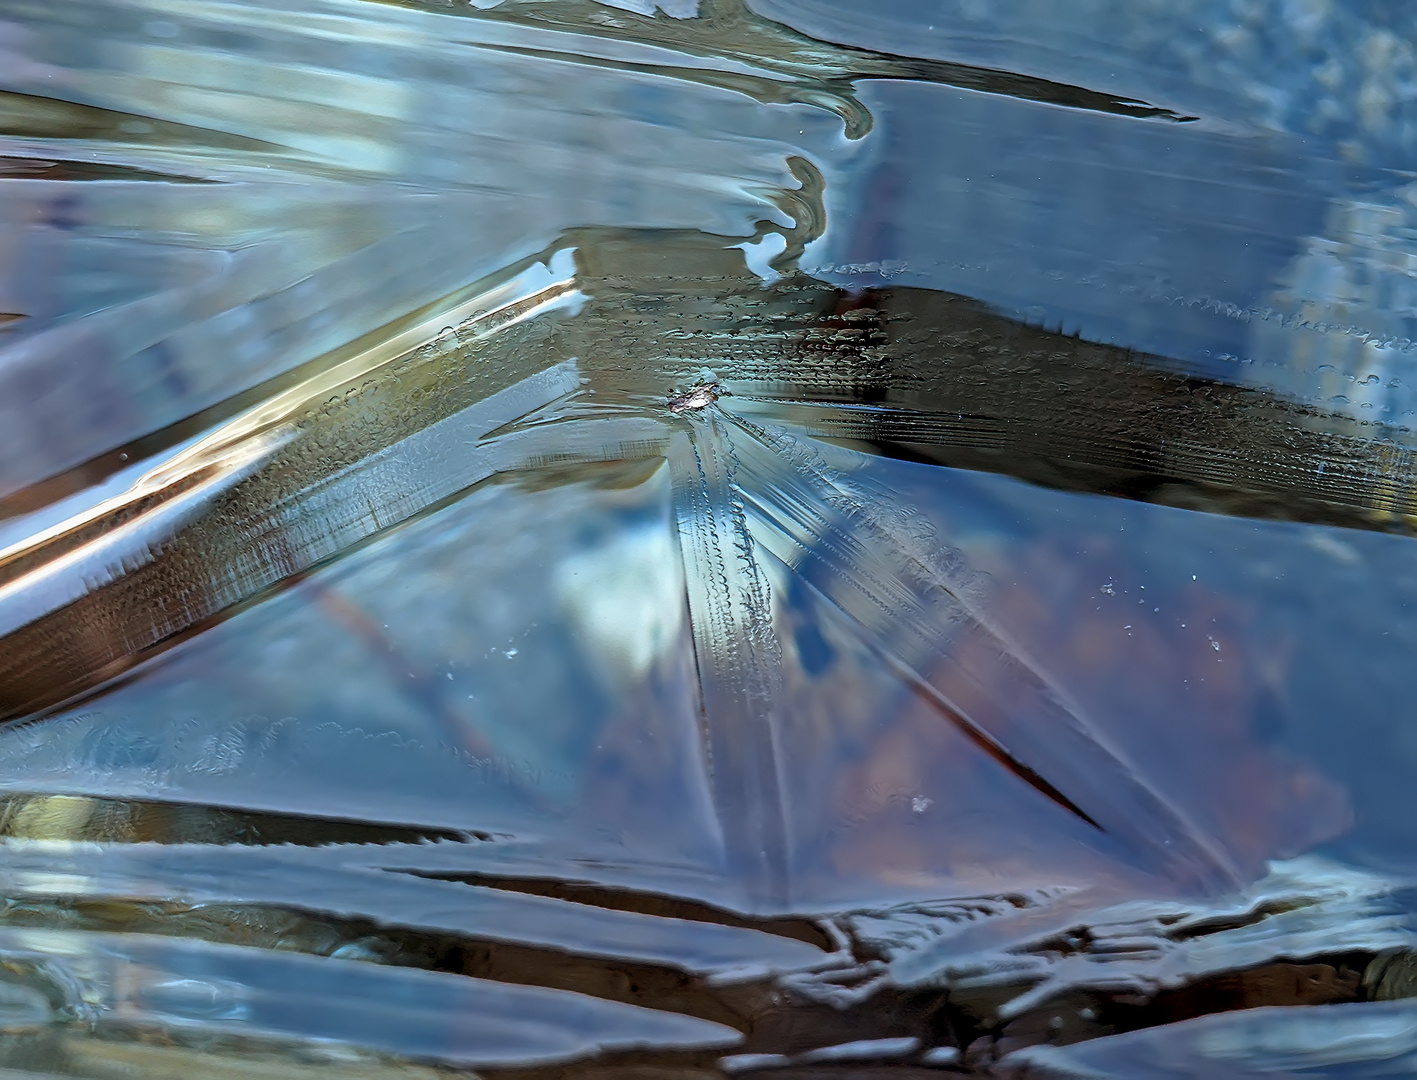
pixel 558 538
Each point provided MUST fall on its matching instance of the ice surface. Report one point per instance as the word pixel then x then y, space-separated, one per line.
pixel 1347 1041
pixel 570 532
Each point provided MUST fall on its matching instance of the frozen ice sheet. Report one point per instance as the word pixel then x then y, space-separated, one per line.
pixel 511 556
pixel 1341 1041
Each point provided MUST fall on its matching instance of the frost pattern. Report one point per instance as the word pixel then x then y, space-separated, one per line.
pixel 444 329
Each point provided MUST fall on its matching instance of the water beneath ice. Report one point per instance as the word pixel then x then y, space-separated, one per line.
pixel 557 538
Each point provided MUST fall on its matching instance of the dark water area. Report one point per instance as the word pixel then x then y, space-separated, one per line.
pixel 558 538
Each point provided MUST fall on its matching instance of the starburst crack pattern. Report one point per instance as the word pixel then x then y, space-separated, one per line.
pixel 490 581
pixel 759 514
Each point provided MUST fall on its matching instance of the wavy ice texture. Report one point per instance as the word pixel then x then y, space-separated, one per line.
pixel 370 160
pixel 1036 947
pixel 199 988
pixel 1346 1042
pixel 468 599
pixel 305 119
pixel 1309 211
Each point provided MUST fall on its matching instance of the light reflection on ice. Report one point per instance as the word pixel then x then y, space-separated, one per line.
pixel 626 595
pixel 545 641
